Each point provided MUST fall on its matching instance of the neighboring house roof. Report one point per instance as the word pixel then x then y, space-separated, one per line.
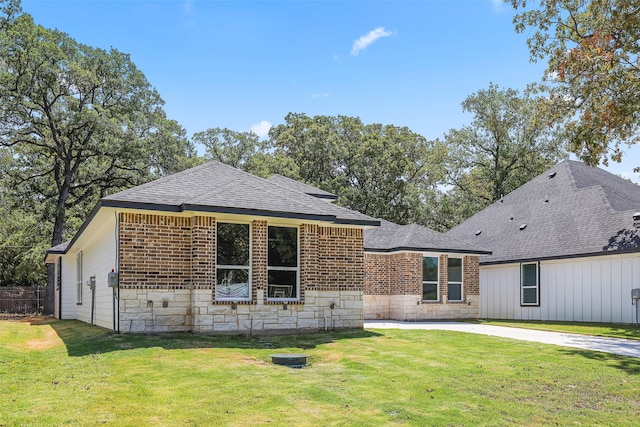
pixel 571 210
pixel 303 188
pixel 216 187
pixel 390 237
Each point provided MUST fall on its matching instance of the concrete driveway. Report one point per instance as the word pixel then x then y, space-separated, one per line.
pixel 608 345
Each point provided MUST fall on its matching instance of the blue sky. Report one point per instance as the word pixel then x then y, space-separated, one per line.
pixel 244 65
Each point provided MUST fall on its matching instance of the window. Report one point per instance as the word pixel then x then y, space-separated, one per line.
pixel 282 272
pixel 233 262
pixel 454 291
pixel 430 279
pixel 79 278
pixel 529 284
pixel 59 273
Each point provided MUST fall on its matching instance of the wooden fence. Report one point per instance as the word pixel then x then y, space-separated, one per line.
pixel 22 300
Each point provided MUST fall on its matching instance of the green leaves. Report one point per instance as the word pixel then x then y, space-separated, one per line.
pixel 381 170
pixel 510 141
pixel 592 48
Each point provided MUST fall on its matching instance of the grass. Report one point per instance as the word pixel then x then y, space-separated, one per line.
pixel 70 373
pixel 610 330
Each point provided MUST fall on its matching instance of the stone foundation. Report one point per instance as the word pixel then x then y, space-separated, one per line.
pixel 412 308
pixel 182 310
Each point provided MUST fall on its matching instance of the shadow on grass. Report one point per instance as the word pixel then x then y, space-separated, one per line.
pixel 630 365
pixel 82 339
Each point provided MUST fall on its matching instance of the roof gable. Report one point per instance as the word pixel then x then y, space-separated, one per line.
pixel 570 210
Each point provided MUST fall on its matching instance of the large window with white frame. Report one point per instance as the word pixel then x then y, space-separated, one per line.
pixel 282 271
pixel 454 285
pixel 430 278
pixel 529 284
pixel 233 262
pixel 79 278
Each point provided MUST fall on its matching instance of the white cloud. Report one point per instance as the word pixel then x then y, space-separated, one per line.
pixel 320 95
pixel 187 6
pixel 498 5
pixel 261 129
pixel 363 42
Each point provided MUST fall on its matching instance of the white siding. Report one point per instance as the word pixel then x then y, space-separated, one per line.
pixel 98 258
pixel 595 289
pixel 68 287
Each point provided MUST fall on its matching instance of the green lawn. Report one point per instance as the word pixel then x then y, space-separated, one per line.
pixel 597 329
pixel 69 373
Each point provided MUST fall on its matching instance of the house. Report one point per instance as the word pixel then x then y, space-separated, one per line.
pixel 215 249
pixel 565 246
pixel 414 273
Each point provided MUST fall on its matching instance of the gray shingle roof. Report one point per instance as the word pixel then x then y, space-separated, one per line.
pixel 391 237
pixel 302 188
pixel 216 187
pixel 581 210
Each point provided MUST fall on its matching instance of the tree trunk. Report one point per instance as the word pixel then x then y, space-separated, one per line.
pixel 58 227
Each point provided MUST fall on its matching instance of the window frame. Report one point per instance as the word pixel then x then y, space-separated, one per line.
pixel 248 267
pixel 79 268
pixel 536 286
pixel 279 268
pixel 431 282
pixel 461 282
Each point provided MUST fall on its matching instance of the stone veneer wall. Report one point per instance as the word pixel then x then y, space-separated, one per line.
pixel 393 288
pixel 167 279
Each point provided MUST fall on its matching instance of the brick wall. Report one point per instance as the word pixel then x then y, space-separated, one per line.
pixel 340 259
pixel 376 274
pixel 471 274
pixel 393 288
pixel 155 251
pixel 167 277
pixel 406 275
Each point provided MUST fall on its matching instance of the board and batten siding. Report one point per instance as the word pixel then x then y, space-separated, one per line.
pixel 593 289
pixel 98 258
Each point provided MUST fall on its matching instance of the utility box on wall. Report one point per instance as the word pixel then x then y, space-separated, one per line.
pixel 112 279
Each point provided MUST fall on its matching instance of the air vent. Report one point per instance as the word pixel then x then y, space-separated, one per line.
pixel 552 174
pixel 546 201
pixel 511 219
pixel 478 232
pixel 636 216
pixel 523 226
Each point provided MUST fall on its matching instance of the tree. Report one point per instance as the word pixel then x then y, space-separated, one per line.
pixel 383 171
pixel 507 144
pixel 79 123
pixel 593 75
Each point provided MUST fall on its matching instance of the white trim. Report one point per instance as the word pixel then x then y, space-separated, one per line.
pixel 430 282
pixel 248 268
pixel 79 278
pixel 275 268
pixel 461 282
pixel 536 286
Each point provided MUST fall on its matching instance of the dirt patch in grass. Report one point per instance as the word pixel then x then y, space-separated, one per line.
pixel 49 339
